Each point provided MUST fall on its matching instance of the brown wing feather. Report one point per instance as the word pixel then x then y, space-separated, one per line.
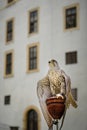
pixel 70 99
pixel 43 92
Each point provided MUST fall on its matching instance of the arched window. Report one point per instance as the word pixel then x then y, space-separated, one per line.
pixel 32 120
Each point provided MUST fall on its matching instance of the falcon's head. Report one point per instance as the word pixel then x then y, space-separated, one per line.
pixel 53 64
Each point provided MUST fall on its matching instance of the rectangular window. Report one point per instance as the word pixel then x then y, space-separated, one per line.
pixel 71 17
pixel 9 63
pixel 71 57
pixel 9 32
pixel 7 100
pixel 32 57
pixel 14 128
pixel 33 21
pixel 74 93
pixel 10 1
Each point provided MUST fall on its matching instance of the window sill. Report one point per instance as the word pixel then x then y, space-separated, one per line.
pixel 33 34
pixel 32 71
pixel 8 76
pixel 71 29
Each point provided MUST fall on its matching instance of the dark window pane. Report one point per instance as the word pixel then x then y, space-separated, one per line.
pixel 71 17
pixel 14 128
pixel 8 63
pixel 74 93
pixel 7 100
pixel 9 1
pixel 33 58
pixel 9 30
pixel 9 36
pixel 32 122
pixel 71 57
pixel 33 21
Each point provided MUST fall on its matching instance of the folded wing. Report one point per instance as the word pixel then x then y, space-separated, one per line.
pixel 44 92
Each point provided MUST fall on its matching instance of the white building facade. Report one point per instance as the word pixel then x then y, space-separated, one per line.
pixel 32 33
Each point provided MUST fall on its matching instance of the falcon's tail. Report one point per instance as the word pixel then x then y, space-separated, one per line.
pixel 72 100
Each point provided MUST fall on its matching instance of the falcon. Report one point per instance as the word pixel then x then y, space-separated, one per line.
pixel 55 83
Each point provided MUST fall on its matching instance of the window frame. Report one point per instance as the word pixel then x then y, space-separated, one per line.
pixel 69 55
pixel 9 41
pixel 28 60
pixel 6 101
pixel 25 116
pixel 34 121
pixel 12 64
pixel 76 5
pixel 11 3
pixel 74 92
pixel 14 127
pixel 30 11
